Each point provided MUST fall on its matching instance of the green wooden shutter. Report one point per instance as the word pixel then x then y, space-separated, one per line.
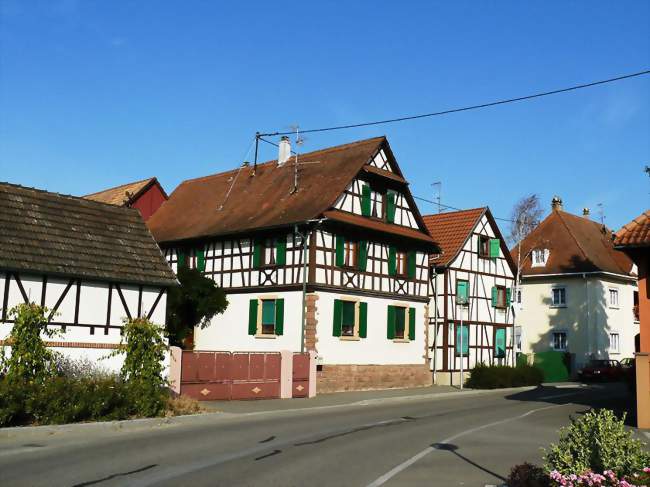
pixel 411 323
pixel 495 246
pixel 410 261
pixel 279 316
pixel 338 314
pixel 281 250
pixel 462 292
pixel 500 343
pixel 495 293
pixel 340 249
pixel 257 254
pixel 390 323
pixel 200 259
pixel 508 296
pixel 363 320
pixel 363 255
pixel 392 262
pixel 464 330
pixel 182 259
pixel 252 316
pixel 365 200
pixel 390 206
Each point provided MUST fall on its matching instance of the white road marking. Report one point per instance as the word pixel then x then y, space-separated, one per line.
pixel 402 466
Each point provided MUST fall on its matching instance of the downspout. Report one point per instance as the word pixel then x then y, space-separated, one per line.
pixel 588 327
pixel 435 324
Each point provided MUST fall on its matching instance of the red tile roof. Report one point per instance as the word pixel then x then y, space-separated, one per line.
pixel 636 233
pixel 451 230
pixel 576 244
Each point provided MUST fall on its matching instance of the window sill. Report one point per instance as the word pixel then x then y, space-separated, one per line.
pixel 266 336
pixel 614 307
pixel 612 352
pixel 349 338
pixel 557 306
pixel 558 349
pixel 401 340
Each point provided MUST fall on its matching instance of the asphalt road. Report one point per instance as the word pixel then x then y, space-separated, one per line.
pixel 434 440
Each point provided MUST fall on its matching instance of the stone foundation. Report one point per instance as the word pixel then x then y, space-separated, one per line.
pixel 311 322
pixel 450 378
pixel 336 378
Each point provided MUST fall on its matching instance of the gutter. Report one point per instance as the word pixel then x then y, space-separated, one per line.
pixel 581 274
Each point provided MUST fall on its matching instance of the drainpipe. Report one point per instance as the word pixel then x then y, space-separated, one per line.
pixel 435 324
pixel 588 327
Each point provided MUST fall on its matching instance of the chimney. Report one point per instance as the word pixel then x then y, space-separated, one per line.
pixel 556 203
pixel 585 213
pixel 284 152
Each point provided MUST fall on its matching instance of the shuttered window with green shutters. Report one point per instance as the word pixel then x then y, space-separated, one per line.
pixel 365 200
pixel 500 297
pixel 344 320
pixel 462 291
pixel 269 252
pixel 281 250
pixel 271 319
pixel 390 206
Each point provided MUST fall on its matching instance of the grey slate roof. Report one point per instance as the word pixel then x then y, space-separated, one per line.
pixel 50 233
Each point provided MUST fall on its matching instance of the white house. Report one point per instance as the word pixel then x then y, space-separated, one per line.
pixel 577 292
pixel 324 251
pixel 474 264
pixel 91 264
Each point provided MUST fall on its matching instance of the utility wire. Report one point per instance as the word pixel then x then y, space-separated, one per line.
pixel 456 209
pixel 467 108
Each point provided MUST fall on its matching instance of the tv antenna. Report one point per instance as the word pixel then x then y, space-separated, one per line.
pixel 601 213
pixel 438 186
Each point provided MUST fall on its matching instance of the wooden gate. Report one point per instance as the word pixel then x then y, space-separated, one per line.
pixel 226 375
pixel 300 383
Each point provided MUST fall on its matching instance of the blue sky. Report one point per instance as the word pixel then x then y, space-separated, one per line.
pixel 94 94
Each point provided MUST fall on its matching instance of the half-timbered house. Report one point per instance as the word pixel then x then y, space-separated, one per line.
pixel 91 264
pixel 325 251
pixel 470 316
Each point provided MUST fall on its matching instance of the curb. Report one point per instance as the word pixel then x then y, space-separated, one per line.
pixel 150 423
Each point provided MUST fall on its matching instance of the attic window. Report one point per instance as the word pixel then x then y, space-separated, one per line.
pixel 540 257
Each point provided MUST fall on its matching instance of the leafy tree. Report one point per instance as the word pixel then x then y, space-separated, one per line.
pixel 194 303
pixel 30 360
pixel 526 215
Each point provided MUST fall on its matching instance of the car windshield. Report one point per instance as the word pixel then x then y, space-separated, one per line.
pixel 598 363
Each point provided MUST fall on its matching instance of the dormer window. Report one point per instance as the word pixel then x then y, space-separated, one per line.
pixel 540 257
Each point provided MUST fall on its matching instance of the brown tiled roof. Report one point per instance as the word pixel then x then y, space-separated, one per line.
pixel 451 230
pixel 249 199
pixel 49 233
pixel 122 195
pixel 576 244
pixel 636 233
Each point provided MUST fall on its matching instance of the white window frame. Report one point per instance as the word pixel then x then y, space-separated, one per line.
pixel 539 257
pixel 519 334
pixel 617 349
pixel 566 340
pixel 559 304
pixel 613 291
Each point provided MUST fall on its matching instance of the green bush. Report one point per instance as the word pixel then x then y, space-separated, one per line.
pixel 498 376
pixel 30 360
pixel 597 441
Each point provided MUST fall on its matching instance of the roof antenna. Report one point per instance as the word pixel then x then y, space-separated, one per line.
pixel 601 213
pixel 438 186
pixel 300 140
